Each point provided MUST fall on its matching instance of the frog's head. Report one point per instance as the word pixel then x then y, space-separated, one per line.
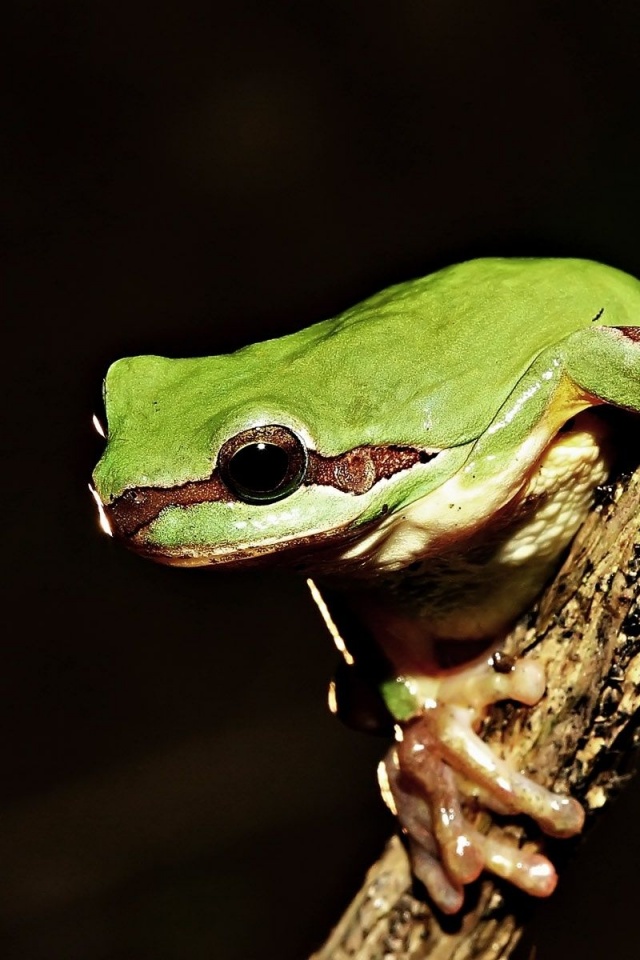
pixel 192 475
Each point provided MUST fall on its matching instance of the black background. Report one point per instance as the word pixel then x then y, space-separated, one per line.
pixel 184 179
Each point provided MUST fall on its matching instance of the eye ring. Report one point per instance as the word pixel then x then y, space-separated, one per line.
pixel 263 464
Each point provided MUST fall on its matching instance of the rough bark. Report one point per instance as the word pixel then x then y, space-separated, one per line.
pixel 579 739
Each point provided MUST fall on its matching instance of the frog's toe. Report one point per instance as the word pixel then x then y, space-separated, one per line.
pixel 446 895
pixel 452 729
pixel 526 869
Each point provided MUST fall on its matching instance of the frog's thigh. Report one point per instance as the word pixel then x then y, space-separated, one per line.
pixel 605 363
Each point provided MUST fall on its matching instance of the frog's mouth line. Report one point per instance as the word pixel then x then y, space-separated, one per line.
pixel 356 471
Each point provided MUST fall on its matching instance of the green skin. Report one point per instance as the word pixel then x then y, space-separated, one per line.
pixel 476 367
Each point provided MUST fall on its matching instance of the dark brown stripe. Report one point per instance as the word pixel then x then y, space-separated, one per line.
pixel 139 506
pixel 355 471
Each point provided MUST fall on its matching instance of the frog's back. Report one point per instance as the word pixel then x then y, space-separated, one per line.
pixel 474 310
pixel 443 352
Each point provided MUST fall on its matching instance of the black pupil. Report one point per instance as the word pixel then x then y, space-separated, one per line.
pixel 259 467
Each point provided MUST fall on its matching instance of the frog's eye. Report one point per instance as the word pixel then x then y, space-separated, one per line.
pixel 263 464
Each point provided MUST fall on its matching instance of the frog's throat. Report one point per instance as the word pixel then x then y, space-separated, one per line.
pixel 356 471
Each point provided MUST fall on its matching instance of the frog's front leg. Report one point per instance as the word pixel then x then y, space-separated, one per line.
pixel 440 761
pixel 440 766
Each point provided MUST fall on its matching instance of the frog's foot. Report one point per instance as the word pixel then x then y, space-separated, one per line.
pixel 446 851
pixel 440 761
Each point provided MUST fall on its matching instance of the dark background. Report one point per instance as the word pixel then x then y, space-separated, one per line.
pixel 184 179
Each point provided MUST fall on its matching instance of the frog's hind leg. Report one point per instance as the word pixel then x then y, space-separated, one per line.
pixel 604 362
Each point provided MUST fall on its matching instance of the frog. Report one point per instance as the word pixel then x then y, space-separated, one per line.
pixel 423 459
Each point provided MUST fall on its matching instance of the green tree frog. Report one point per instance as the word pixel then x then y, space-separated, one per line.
pixel 428 454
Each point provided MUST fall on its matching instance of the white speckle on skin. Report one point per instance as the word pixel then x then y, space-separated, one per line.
pixel 286 518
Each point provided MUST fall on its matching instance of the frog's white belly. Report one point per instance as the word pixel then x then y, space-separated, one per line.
pixel 471 583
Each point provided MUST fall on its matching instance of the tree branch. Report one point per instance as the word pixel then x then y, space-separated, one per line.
pixel 578 740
